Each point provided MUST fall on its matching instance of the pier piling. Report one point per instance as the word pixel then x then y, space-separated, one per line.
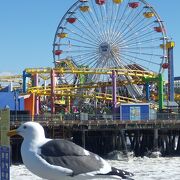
pixel 155 140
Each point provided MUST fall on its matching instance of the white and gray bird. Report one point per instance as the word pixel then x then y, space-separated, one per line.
pixel 56 159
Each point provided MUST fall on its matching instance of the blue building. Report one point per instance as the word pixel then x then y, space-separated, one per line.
pixel 11 99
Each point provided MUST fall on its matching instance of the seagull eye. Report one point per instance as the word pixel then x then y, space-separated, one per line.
pixel 24 127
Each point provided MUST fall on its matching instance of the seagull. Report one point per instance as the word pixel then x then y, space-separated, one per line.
pixel 56 159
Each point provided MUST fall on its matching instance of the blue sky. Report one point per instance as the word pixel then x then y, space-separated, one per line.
pixel 28 28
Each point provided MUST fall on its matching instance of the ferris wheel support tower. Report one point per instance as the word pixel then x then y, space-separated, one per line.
pixel 170 46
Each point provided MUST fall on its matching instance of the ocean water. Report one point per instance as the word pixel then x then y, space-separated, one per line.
pixel 143 168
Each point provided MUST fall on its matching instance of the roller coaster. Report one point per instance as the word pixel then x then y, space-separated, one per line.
pixel 86 93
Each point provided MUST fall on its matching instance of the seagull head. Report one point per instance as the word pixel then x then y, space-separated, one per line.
pixel 28 130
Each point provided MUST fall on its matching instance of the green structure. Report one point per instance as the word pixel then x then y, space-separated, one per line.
pixel 4 127
pixel 161 93
pixel 159 80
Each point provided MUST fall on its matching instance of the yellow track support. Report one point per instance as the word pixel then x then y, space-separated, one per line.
pixel 44 77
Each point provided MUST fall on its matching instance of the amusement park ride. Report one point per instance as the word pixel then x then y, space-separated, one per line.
pixel 106 52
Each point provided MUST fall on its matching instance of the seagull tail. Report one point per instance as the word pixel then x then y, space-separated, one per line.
pixel 121 173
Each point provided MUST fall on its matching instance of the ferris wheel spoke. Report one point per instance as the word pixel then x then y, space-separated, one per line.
pixel 125 59
pixel 84 47
pixel 136 39
pixel 85 31
pixel 82 60
pixel 120 29
pixel 134 31
pixel 84 57
pixel 97 19
pixel 147 41
pixel 147 54
pixel 122 16
pixel 104 28
pixel 78 51
pixel 99 31
pixel 87 43
pixel 106 16
pixel 133 20
pixel 84 54
pixel 144 60
pixel 102 18
pixel 100 62
pixel 106 10
pixel 92 59
pixel 116 18
pixel 141 23
pixel 118 62
pixel 86 37
pixel 118 37
pixel 111 19
pixel 93 35
pixel 76 46
pixel 121 59
pixel 103 21
pixel 131 65
pixel 93 64
pixel 95 31
pixel 113 62
pixel 147 47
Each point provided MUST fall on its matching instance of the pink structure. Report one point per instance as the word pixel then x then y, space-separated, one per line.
pixel 36 80
pixel 52 91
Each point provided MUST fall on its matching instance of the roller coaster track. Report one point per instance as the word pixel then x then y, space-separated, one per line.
pixel 58 92
pixel 62 70
pixel 11 77
pixel 64 87
pixel 67 67
pixel 14 79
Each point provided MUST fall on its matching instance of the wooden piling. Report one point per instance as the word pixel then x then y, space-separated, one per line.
pixel 84 139
pixel 155 142
pixel 123 141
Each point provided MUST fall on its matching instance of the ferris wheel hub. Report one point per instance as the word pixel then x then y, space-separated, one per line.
pixel 104 48
pixel 108 50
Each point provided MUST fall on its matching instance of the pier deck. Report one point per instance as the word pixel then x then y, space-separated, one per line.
pixel 108 124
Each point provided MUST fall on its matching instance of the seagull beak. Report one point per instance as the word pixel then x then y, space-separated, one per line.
pixel 12 133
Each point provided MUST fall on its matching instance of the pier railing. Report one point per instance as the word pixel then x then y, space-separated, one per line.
pixel 85 117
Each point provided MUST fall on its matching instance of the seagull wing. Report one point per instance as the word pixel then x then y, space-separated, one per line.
pixel 68 155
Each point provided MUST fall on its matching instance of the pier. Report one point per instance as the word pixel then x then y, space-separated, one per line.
pixel 105 136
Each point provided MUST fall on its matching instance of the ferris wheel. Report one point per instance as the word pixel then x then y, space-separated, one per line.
pixel 123 34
